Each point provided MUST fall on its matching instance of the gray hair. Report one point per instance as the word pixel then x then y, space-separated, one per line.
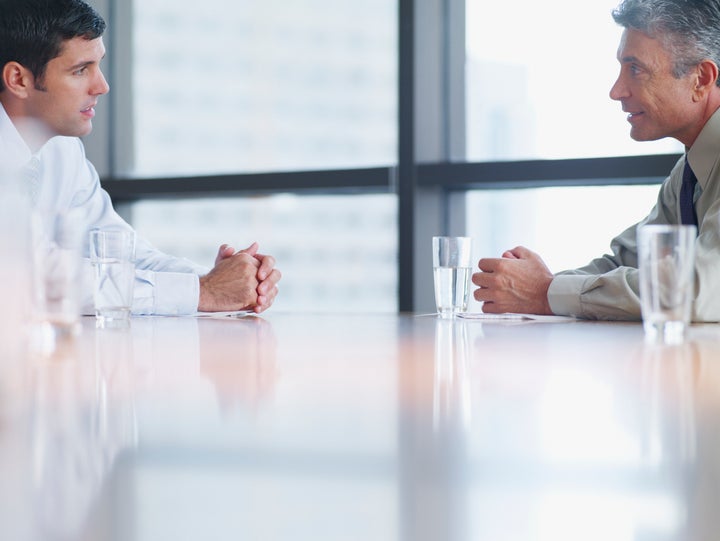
pixel 688 29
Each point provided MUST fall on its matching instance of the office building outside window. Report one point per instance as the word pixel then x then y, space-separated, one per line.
pixel 241 87
pixel 244 86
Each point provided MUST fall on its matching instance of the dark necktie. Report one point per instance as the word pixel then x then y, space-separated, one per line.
pixel 688 216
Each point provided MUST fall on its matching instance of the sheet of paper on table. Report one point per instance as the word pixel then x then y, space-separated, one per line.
pixel 224 315
pixel 514 317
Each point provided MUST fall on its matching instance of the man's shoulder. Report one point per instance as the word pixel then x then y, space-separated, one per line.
pixel 66 156
pixel 63 145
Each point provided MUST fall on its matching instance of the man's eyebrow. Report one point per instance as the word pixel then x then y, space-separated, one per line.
pixel 626 59
pixel 84 63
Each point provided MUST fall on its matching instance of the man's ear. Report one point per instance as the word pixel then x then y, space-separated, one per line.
pixel 707 76
pixel 17 79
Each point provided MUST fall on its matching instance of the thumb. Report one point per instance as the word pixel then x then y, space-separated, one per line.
pixel 250 250
pixel 224 251
pixel 521 252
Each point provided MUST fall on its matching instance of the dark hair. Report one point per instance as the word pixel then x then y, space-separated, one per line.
pixel 32 32
pixel 689 29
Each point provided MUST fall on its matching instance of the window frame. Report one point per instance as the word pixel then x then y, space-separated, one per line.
pixel 430 176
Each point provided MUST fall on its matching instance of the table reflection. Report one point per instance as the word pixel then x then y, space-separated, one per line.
pixel 82 417
pixel 681 398
pixel 434 436
pixel 84 395
pixel 451 394
pixel 567 431
pixel 688 379
pixel 244 375
pixel 382 428
pixel 669 387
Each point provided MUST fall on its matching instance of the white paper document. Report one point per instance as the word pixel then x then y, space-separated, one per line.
pixel 514 317
pixel 223 315
pixel 237 314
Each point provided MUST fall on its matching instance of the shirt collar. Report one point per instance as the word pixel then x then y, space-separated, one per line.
pixel 704 154
pixel 14 152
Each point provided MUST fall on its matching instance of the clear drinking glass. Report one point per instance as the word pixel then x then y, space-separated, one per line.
pixel 112 253
pixel 61 272
pixel 666 266
pixel 451 268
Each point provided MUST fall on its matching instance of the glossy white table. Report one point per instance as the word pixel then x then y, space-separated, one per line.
pixel 377 427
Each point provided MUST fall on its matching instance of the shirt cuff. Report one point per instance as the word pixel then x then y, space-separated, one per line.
pixel 166 293
pixel 564 294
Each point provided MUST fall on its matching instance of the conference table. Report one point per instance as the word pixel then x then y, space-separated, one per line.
pixel 293 426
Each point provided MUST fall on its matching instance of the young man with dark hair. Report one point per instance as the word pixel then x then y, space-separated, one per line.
pixel 50 82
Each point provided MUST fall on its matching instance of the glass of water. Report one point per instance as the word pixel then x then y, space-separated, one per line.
pixel 112 253
pixel 666 265
pixel 451 268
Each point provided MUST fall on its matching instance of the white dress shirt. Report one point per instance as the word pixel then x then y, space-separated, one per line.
pixel 67 182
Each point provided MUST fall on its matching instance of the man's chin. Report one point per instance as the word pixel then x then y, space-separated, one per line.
pixel 641 136
pixel 85 130
pixel 80 131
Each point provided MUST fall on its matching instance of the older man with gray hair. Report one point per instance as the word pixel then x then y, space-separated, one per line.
pixel 668 85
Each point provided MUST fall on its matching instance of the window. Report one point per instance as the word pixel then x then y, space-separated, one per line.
pixel 310 86
pixel 246 87
pixel 537 87
pixel 566 226
pixel 243 86
pixel 538 79
pixel 336 252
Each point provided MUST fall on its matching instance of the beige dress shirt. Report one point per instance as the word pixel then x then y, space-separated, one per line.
pixel 607 288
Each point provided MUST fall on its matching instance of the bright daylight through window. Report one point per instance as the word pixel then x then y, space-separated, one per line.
pixel 243 86
pixel 537 87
